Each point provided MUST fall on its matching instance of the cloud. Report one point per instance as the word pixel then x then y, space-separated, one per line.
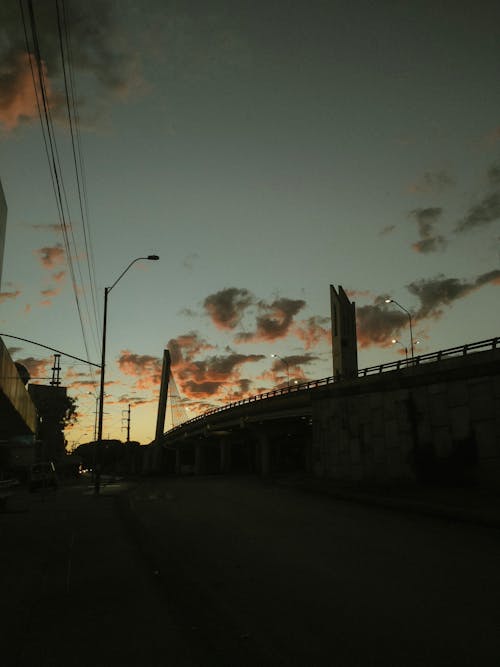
pixel 37 368
pixel 51 256
pixel 488 209
pixel 144 367
pixel 379 323
pixel 217 377
pixel 274 322
pixel 388 229
pixel 17 92
pixel 482 214
pixel 227 306
pixel 53 227
pixel 51 291
pixel 433 181
pixel 312 332
pixel 4 296
pixel 437 292
pixel 494 175
pixel 109 66
pixel 427 218
pixel 59 276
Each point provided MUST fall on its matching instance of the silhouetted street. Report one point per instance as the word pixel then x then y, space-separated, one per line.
pixel 235 571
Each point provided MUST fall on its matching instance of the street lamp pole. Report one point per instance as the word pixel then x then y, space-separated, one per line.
pixel 287 367
pixel 107 290
pixel 409 319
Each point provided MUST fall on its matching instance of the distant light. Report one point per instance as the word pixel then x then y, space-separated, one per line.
pixel 388 300
pixel 394 340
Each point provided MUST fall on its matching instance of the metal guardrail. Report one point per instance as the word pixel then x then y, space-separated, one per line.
pixel 432 357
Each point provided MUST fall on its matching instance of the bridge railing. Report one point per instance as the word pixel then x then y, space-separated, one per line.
pixel 432 357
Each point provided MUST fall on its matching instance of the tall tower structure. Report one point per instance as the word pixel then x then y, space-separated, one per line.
pixel 3 228
pixel 344 338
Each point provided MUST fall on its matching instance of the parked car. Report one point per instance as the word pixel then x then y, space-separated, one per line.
pixel 42 476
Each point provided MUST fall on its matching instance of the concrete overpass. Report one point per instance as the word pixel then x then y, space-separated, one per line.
pixel 434 415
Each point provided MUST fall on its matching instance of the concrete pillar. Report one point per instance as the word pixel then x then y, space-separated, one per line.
pixel 225 455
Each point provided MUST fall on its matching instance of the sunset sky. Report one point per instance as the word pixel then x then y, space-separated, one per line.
pixel 264 150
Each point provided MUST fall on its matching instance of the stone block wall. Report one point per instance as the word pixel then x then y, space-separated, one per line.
pixel 438 423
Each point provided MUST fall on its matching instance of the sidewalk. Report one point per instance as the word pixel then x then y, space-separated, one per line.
pixel 75 591
pixel 468 504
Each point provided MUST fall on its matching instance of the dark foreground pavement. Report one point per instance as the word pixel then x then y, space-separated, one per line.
pixel 73 591
pixel 234 571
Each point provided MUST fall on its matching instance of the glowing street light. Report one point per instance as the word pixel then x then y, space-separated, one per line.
pixel 107 290
pixel 277 356
pixel 409 318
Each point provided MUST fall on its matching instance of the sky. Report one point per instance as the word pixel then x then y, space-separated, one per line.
pixel 264 150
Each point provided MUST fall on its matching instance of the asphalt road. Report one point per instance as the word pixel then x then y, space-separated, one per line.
pixel 234 571
pixel 266 575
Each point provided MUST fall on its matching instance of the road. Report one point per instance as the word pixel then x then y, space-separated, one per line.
pixel 216 571
pixel 271 576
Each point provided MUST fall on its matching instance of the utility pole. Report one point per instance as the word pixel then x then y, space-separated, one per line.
pixel 127 419
pixel 56 371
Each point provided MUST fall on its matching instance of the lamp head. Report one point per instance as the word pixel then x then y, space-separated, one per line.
pixel 388 300
pixel 153 257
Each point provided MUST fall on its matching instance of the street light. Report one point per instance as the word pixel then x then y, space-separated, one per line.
pixel 277 356
pixel 107 290
pixel 409 318
pixel 395 340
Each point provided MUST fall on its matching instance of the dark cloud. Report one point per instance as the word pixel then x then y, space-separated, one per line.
pixel 437 292
pixel 388 229
pixel 482 214
pixel 37 368
pixel 494 175
pixel 433 181
pixel 185 347
pixel 427 218
pixel 274 321
pixel 228 306
pixel 378 324
pixel 96 52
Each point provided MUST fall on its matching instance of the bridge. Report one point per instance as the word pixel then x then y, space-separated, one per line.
pixel 436 411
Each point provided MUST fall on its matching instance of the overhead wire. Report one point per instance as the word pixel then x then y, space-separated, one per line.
pixel 55 168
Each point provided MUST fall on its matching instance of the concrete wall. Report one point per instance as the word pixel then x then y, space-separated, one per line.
pixel 436 423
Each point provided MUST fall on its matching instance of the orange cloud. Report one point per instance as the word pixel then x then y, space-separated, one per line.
pixel 37 368
pixel 145 367
pixel 4 296
pixel 59 276
pixel 51 291
pixel 312 333
pixel 17 92
pixel 51 256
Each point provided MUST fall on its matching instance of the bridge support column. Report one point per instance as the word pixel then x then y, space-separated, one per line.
pixel 225 455
pixel 199 460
